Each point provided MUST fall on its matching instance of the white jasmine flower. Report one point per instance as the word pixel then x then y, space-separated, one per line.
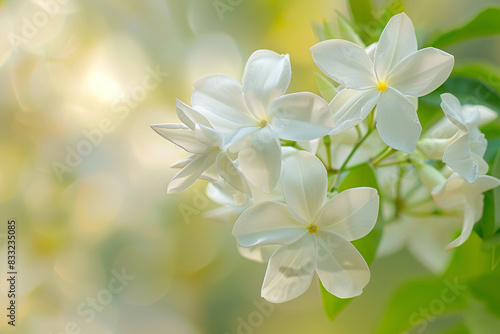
pixel 464 149
pixel 258 114
pixel 456 192
pixel 397 72
pixel 208 158
pixel 314 234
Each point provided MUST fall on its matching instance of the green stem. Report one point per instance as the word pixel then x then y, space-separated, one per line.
pixel 292 143
pixel 382 156
pixel 358 131
pixel 328 143
pixel 399 162
pixel 355 148
pixel 400 204
pixel 370 161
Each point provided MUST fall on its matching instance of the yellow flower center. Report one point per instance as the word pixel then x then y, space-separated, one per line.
pixel 313 228
pixel 381 86
pixel 263 122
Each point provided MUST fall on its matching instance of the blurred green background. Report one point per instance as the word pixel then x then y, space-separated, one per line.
pixel 72 77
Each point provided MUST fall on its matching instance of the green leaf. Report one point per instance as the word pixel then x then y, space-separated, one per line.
pixel 469 260
pixel 460 329
pixel 479 320
pixel 392 8
pixel 467 90
pixel 362 11
pixel 371 31
pixel 495 171
pixel 485 228
pixel 428 114
pixel 347 31
pixel 326 87
pixel 363 176
pixel 486 23
pixel 468 274
pixel 489 225
pixel 485 289
pixel 493 145
pixel 489 73
pixel 405 309
pixel 491 242
pixel 495 257
pixel 332 305
pixel 325 31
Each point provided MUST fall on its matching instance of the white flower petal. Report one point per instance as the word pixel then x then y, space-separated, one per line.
pixel 397 121
pixel 433 148
pixel 184 162
pixel 217 193
pixel 268 223
pixel 350 107
pixel 189 115
pixel 345 62
pixel 310 145
pixel 467 227
pixel 474 193
pixel 290 270
pixel 486 115
pixel 341 269
pixel 443 129
pixel 220 99
pixel 305 183
pixel 396 42
pixel 229 172
pixel 193 170
pixel 181 136
pixel 223 214
pixel 449 194
pixel 414 101
pixel 259 254
pixel 453 110
pixel 370 50
pixel 210 174
pixel 267 76
pixel 459 157
pixel 236 139
pixel 260 159
pixel 300 116
pixel 456 191
pixel 421 72
pixel 207 135
pixel 351 214
pixel 430 177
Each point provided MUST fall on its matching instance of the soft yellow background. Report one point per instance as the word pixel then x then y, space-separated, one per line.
pixel 111 211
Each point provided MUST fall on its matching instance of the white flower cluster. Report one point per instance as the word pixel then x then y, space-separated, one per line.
pixel 269 156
